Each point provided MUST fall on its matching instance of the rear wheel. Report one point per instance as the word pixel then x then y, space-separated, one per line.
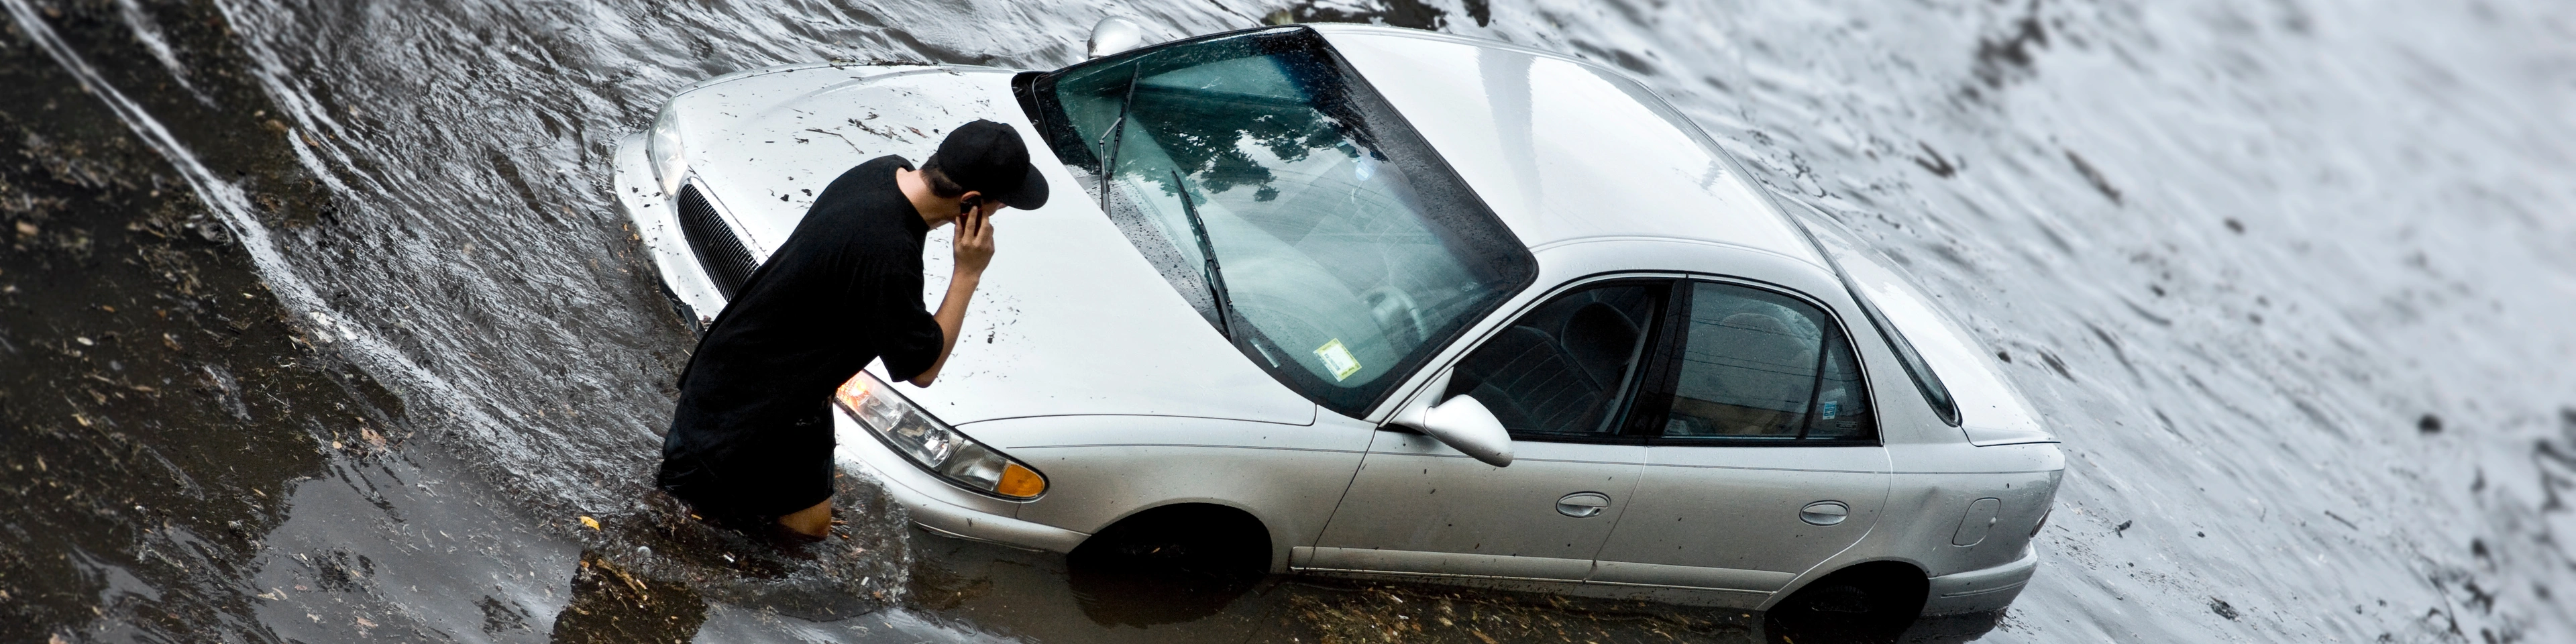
pixel 1870 602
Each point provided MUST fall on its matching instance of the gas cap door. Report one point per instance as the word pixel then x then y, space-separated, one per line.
pixel 1980 518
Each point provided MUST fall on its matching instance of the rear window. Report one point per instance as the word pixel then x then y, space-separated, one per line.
pixel 1287 201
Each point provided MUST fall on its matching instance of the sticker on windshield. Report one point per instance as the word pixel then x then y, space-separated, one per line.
pixel 1338 360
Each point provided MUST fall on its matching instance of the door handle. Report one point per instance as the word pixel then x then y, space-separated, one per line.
pixel 1824 513
pixel 1582 505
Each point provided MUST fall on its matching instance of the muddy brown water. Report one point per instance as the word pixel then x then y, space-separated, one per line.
pixel 317 322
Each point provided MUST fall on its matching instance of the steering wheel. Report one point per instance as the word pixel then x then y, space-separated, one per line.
pixel 1392 307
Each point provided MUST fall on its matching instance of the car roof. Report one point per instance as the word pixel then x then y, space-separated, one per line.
pixel 1563 150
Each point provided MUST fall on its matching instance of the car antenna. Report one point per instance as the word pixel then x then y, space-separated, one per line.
pixel 1116 137
pixel 1215 275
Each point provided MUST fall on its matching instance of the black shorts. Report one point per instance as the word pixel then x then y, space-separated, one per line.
pixel 760 475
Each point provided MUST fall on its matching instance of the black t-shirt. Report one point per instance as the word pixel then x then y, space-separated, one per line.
pixel 844 290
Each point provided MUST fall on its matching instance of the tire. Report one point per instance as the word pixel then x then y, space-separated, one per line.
pixel 1871 602
pixel 1168 565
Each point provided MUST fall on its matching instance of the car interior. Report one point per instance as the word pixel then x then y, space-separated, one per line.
pixel 1559 368
pixel 1761 365
pixel 1753 365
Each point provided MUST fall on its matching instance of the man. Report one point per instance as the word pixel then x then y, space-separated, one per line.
pixel 751 441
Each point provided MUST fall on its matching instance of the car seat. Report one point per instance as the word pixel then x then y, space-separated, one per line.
pixel 1554 375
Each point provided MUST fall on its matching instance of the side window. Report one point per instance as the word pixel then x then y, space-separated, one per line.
pixel 1760 365
pixel 1562 368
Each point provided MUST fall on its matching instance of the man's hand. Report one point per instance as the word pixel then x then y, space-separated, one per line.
pixel 974 251
pixel 974 240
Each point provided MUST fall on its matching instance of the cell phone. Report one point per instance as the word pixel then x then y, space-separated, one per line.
pixel 969 204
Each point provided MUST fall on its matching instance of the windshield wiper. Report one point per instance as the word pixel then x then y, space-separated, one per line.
pixel 1207 249
pixel 1116 137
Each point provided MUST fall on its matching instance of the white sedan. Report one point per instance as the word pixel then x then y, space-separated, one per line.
pixel 1363 301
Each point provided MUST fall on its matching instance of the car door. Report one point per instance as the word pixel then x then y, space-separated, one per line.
pixel 1764 458
pixel 1559 378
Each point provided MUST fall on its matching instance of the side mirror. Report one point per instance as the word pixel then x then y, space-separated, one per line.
pixel 1468 426
pixel 1115 34
pixel 1462 423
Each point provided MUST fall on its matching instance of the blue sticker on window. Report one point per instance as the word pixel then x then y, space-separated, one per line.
pixel 1830 408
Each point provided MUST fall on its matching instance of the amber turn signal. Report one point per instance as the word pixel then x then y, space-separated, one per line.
pixel 1020 482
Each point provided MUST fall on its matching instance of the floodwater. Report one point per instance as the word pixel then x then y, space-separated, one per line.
pixel 318 323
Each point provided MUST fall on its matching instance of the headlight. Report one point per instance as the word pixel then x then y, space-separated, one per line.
pixel 933 445
pixel 663 149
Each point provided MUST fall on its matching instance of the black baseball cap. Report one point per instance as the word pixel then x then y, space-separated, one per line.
pixel 988 157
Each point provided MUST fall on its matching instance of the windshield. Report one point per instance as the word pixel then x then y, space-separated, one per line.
pixel 1345 251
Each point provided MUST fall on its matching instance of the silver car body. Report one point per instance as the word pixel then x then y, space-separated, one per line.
pixel 1082 361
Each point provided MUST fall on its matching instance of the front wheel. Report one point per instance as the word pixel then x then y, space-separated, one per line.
pixel 1168 565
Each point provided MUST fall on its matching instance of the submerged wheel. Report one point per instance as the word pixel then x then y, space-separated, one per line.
pixel 1188 539
pixel 1169 564
pixel 1873 601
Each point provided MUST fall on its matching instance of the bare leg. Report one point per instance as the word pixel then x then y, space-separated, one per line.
pixel 811 522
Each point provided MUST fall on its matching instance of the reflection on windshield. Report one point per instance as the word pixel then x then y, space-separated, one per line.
pixel 1350 251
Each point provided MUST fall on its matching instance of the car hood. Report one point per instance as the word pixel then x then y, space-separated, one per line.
pixel 1068 320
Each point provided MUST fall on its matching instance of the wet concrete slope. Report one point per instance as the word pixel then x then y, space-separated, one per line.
pixel 323 324
pixel 159 405
pixel 199 437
